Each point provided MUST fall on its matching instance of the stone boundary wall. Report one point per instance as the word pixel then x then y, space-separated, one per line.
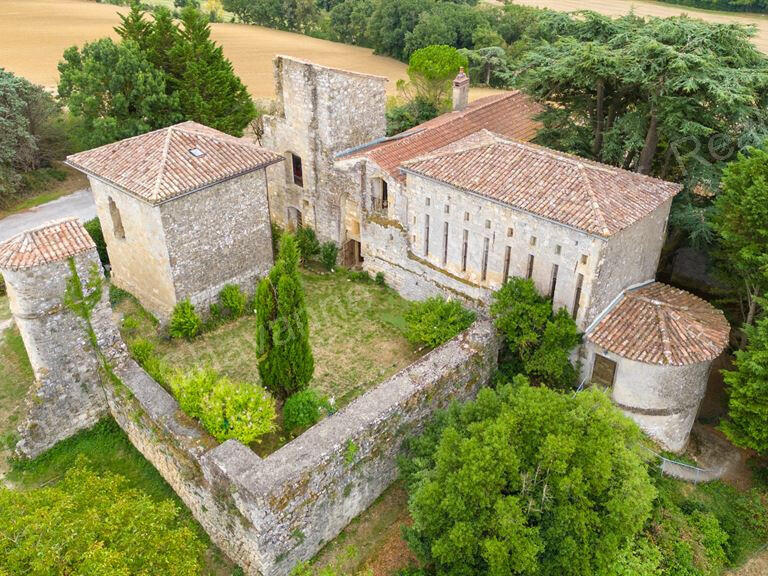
pixel 269 514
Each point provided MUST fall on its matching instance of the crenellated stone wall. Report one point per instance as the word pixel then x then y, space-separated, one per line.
pixel 67 395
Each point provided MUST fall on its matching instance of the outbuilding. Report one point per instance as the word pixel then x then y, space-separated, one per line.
pixel 184 211
pixel 653 348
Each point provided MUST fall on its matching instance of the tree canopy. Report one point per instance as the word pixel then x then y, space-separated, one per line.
pixel 157 75
pixel 91 523
pixel 527 481
pixel 740 219
pixel 748 391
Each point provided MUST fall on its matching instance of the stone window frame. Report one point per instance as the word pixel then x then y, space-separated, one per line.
pixel 118 229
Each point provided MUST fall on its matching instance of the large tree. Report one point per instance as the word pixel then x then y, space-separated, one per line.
pixel 740 220
pixel 286 363
pixel 115 91
pixel 527 481
pixel 91 523
pixel 747 423
pixel 391 20
pixel 430 73
pixel 647 94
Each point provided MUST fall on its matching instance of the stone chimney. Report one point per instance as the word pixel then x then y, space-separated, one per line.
pixel 460 90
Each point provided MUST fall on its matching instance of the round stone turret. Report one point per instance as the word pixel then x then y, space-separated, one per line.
pixel 67 395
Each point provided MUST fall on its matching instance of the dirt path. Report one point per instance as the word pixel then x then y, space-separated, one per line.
pixel 757 566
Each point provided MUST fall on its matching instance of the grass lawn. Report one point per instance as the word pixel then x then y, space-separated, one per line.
pixel 44 185
pixel 5 310
pixel 356 332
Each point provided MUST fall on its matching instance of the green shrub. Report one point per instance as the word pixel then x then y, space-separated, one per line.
pixel 359 276
pixel 226 409
pixel 301 410
pixel 380 280
pixel 329 253
pixel 143 351
pixel 117 295
pixel 93 227
pixel 130 324
pixel 233 301
pixel 3 290
pixel 436 320
pixel 277 233
pixel 306 239
pixel 185 322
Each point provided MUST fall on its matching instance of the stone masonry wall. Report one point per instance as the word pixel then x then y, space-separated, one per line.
pixel 139 260
pixel 67 395
pixel 269 514
pixel 219 235
pixel 662 399
pixel 321 111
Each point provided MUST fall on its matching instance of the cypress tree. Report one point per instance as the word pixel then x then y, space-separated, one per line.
pixel 286 364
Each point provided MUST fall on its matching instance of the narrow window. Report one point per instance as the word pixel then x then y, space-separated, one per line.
pixel 298 172
pixel 426 235
pixel 464 242
pixel 577 296
pixel 529 272
pixel 445 243
pixel 487 224
pixel 507 257
pixel 484 273
pixel 553 282
pixel 510 232
pixel 117 221
pixel 447 209
pixel 533 240
pixel 429 201
pixel 384 194
pixel 466 216
pixel 583 258
pixel 558 249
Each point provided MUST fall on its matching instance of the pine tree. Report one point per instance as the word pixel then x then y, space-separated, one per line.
pixel 208 89
pixel 286 363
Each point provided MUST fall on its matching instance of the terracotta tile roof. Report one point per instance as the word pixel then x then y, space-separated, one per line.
pixel 172 161
pixel 659 324
pixel 585 195
pixel 509 114
pixel 52 242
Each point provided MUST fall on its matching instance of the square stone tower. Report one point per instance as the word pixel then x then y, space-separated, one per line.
pixel 38 265
pixel 184 211
pixel 321 112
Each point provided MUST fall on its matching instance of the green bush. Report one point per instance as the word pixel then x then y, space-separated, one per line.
pixel 93 227
pixel 301 410
pixel 380 280
pixel 91 523
pixel 117 295
pixel 143 351
pixel 329 254
pixel 226 409
pixel 309 247
pixel 277 232
pixel 185 322
pixel 3 290
pixel 359 276
pixel 436 320
pixel 233 301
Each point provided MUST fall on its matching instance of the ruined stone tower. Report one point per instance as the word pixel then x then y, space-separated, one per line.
pixel 67 396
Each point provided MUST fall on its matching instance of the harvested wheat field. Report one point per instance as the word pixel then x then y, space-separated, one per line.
pixel 35 33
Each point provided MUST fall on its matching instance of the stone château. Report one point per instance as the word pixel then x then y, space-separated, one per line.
pixel 455 206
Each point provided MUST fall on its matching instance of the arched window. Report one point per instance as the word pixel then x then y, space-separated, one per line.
pixel 117 221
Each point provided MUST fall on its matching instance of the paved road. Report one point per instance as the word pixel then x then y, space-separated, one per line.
pixel 79 204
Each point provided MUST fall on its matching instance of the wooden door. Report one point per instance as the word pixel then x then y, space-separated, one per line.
pixel 603 371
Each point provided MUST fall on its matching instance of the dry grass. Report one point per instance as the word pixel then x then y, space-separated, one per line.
pixel 373 542
pixel 356 332
pixel 35 33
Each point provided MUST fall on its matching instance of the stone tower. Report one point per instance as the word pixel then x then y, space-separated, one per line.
pixel 67 395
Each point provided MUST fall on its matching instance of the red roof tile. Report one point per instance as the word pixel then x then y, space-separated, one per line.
pixel 52 242
pixel 659 324
pixel 172 161
pixel 585 195
pixel 509 114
